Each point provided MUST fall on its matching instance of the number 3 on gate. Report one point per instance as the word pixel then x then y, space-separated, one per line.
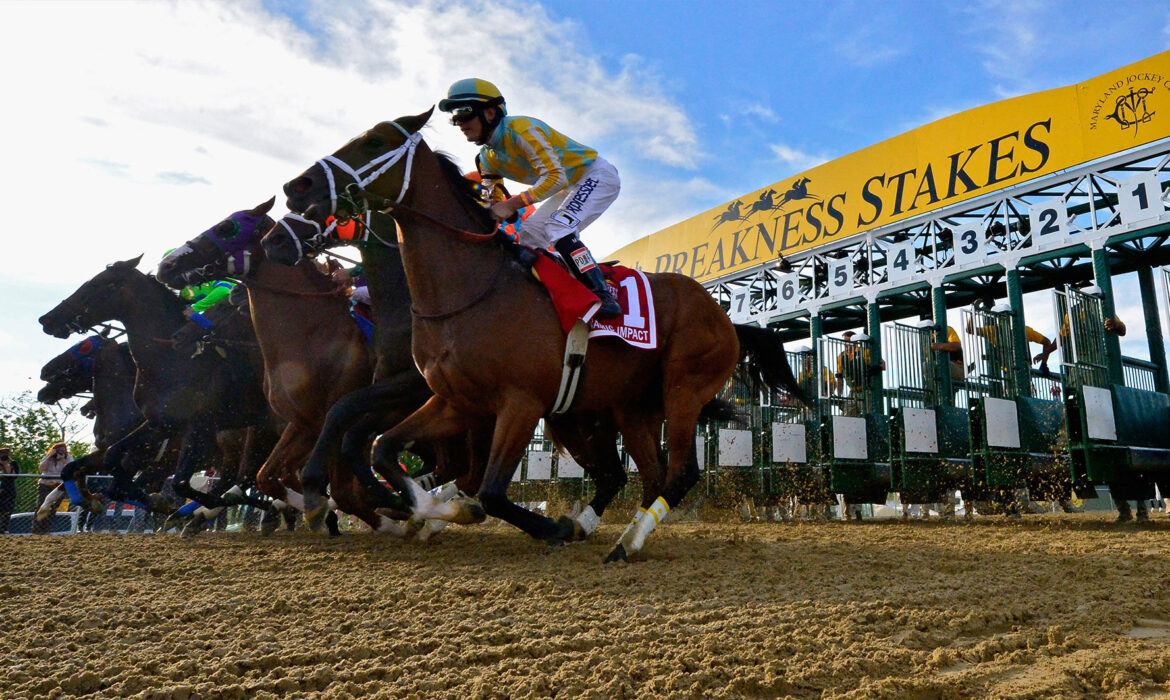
pixel 1049 220
pixel 1140 198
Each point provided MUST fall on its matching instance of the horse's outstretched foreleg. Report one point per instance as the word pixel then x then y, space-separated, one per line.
pixel 336 442
pixel 435 420
pixel 294 443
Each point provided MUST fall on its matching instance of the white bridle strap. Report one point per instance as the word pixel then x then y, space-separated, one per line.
pixel 309 222
pixel 373 170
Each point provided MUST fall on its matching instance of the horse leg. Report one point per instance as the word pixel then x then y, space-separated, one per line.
pixel 194 455
pixel 267 479
pixel 514 428
pixel 592 441
pixel 121 459
pixel 682 473
pixel 435 420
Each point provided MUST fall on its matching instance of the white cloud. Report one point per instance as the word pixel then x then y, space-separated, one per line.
pixel 131 127
pixel 796 159
pixel 762 112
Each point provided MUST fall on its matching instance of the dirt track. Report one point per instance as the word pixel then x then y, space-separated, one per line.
pixel 1053 606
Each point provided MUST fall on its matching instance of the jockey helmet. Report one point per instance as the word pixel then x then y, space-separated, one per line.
pixel 472 92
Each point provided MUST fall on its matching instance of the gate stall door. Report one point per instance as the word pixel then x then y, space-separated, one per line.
pixel 1081 334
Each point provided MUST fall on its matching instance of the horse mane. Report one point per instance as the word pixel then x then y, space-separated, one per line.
pixel 464 192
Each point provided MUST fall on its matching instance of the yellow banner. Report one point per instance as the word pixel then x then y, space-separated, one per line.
pixel 951 160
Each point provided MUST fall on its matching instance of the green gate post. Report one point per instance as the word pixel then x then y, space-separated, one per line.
pixel 1103 280
pixel 873 325
pixel 1154 328
pixel 1021 351
pixel 942 370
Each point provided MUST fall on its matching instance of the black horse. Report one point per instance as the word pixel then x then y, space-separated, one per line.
pixel 105 368
pixel 195 397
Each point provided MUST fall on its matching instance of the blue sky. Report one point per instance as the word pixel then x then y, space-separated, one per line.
pixel 148 122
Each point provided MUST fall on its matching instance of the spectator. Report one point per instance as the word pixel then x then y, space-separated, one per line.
pixel 7 487
pixel 52 464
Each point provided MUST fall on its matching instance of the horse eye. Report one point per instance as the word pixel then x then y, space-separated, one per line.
pixel 227 230
pixel 375 143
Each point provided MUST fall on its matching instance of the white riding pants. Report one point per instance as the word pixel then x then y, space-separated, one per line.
pixel 573 208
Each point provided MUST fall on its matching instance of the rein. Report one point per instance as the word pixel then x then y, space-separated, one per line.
pixel 254 284
pixel 487 290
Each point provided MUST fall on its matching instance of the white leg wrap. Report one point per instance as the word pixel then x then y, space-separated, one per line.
pixel 295 499
pixel 332 504
pixel 53 500
pixel 446 492
pixel 279 504
pixel 235 491
pixel 429 529
pixel 428 507
pixel 588 520
pixel 208 513
pixel 398 528
pixel 650 519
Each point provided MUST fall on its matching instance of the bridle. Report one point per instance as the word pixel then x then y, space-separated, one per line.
pixel 368 173
pixel 357 199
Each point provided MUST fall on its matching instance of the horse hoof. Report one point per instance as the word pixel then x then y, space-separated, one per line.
pixel 316 518
pixel 428 529
pixel 570 529
pixel 618 554
pixel 193 527
pixel 269 523
pixel 470 511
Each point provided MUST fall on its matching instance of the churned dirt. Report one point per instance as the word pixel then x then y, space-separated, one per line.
pixel 1053 606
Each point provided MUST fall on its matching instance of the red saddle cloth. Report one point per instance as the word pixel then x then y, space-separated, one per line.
pixel 573 300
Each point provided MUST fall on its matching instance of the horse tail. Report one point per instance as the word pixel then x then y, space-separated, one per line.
pixel 762 358
pixel 719 410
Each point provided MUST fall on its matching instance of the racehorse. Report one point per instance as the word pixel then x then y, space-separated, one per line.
pixel 591 441
pixel 490 345
pixel 104 367
pixel 195 396
pixel 314 352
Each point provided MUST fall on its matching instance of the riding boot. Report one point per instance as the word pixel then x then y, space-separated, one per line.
pixel 581 263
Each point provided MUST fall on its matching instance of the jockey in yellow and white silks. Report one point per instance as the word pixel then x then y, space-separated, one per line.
pixel 572 183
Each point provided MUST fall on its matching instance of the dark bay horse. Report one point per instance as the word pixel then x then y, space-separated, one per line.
pixel 197 397
pixel 490 345
pixel 105 368
pixel 398 389
pixel 314 352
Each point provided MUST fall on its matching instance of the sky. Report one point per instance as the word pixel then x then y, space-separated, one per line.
pixel 130 127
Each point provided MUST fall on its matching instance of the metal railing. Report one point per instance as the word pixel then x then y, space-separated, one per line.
pixel 1082 338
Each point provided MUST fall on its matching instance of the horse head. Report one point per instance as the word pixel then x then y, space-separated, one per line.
pixel 71 372
pixel 221 251
pixel 334 185
pixel 95 301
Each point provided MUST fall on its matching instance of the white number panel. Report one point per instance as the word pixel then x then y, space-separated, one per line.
pixel 969 245
pixel 840 277
pixel 1049 220
pixel 900 261
pixel 1140 198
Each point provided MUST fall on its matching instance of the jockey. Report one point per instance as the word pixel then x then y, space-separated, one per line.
pixel 202 297
pixel 575 184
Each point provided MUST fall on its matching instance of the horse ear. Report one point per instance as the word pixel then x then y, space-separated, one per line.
pixel 262 209
pixel 131 263
pixel 418 121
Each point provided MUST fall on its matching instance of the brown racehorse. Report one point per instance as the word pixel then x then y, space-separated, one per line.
pixel 490 345
pixel 314 353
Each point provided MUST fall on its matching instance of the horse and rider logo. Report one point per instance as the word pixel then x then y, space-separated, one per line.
pixel 766 202
pixel 1130 110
